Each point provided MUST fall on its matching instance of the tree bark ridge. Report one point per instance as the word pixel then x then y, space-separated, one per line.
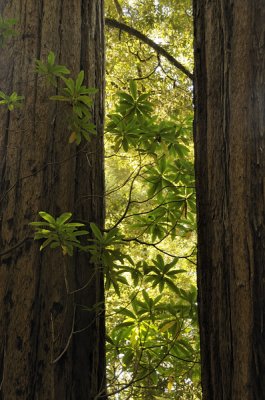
pixel 230 170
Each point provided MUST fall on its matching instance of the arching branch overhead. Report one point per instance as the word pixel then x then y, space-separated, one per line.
pixel 139 35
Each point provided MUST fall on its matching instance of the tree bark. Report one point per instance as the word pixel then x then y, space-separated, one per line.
pixel 51 340
pixel 230 172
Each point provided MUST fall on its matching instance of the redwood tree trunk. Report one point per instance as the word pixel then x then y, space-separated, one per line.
pixel 230 172
pixel 51 341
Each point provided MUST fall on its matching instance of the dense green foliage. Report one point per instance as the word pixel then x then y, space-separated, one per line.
pixel 152 324
pixel 148 247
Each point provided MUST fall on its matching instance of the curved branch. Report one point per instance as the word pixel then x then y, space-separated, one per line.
pixel 187 257
pixel 15 246
pixel 134 32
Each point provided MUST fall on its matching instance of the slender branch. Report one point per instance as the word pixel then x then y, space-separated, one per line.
pixel 15 246
pixel 54 361
pixel 134 379
pixel 139 35
pixel 141 78
pixel 153 209
pixel 184 359
pixel 118 8
pixel 129 202
pixel 136 240
pixel 42 169
pixel 117 188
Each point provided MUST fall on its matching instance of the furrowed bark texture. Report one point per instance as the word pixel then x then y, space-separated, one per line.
pixel 51 340
pixel 230 171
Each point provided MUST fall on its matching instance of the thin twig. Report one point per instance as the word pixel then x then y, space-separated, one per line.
pixel 68 341
pixel 19 244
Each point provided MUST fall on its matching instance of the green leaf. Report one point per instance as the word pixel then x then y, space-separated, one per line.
pixel 124 324
pixel 47 217
pixel 96 231
pixel 86 100
pixel 45 244
pixel 70 85
pixel 165 326
pixel 109 339
pixel 63 218
pixel 133 89
pixel 79 80
pixel 59 70
pixel 143 97
pixel 39 224
pixel 126 98
pixel 116 288
pixel 146 297
pixel 126 312
pixel 54 245
pixel 51 58
pixel 128 357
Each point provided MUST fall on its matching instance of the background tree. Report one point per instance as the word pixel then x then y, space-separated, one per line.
pixel 50 347
pixel 230 168
pixel 152 342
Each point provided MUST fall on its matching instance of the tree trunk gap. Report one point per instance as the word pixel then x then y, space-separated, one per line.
pixel 230 173
pixel 51 342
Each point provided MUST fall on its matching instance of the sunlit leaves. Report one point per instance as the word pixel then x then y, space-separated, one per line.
pixel 51 70
pixel 126 133
pixel 161 274
pixel 105 250
pixel 150 332
pixel 74 94
pixel 169 178
pixel 160 349
pixel 58 232
pixel 13 101
pixel 78 97
pixel 145 333
pixel 131 104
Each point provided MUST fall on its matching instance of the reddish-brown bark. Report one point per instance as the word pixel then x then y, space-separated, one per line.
pixel 230 171
pixel 39 170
